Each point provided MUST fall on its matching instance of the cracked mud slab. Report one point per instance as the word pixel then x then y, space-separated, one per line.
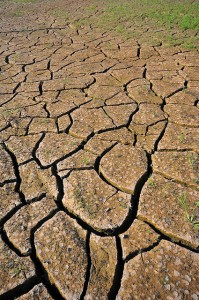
pixel 14 270
pixel 87 121
pixel 6 167
pixel 171 208
pixel 179 137
pixel 61 246
pixel 19 227
pixel 55 146
pixel 124 167
pixel 103 254
pixel 36 181
pixel 99 140
pixel 139 236
pixel 9 199
pixel 39 292
pixel 163 275
pixel 94 201
pixel 180 166
pixel 80 160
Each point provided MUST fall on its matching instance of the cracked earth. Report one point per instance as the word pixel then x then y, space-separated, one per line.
pixel 99 162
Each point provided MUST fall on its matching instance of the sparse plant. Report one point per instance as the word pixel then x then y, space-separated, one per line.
pixel 17 270
pixel 181 137
pixel 192 158
pixel 85 160
pixel 151 182
pixel 82 202
pixel 182 199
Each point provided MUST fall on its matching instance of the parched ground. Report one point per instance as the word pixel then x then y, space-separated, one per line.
pixel 99 158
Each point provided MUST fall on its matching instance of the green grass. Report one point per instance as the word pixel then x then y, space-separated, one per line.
pixel 123 16
pixel 181 137
pixel 191 218
pixel 192 158
pixel 170 13
pixel 60 13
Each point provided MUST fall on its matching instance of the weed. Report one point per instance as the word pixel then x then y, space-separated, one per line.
pixel 18 13
pixel 85 160
pixel 81 22
pixel 182 199
pixel 17 270
pixel 91 8
pixel 192 158
pixel 181 137
pixel 152 183
pixel 197 180
pixel 176 15
pixel 83 203
pixel 123 204
pixel 60 13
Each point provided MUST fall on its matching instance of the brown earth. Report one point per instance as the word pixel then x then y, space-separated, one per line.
pixel 99 159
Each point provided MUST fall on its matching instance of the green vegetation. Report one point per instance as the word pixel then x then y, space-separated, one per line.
pixel 181 137
pixel 174 16
pixel 182 199
pixel 170 13
pixel 192 158
pixel 60 13
pixel 17 270
pixel 151 183
pixel 17 13
pixel 84 203
pixel 85 160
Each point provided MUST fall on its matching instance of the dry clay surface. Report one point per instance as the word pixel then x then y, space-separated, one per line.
pixel 99 161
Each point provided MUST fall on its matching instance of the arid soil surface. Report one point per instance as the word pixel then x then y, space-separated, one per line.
pixel 99 160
